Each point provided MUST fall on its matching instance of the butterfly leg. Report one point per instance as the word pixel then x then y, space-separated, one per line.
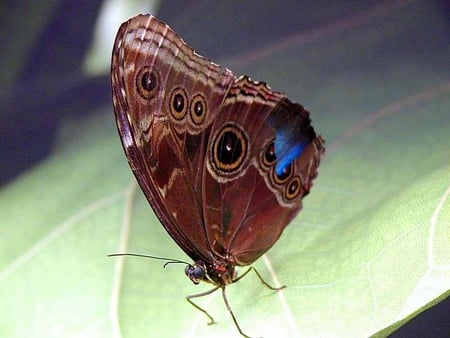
pixel 202 294
pixel 260 278
pixel 265 283
pixel 225 300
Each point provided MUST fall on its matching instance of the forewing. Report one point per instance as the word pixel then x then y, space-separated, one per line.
pixel 165 99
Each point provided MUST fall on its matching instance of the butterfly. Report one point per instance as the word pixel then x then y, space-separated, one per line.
pixel 224 161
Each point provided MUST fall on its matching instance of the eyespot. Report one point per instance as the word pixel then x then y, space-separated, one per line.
pixel 293 188
pixel 198 109
pixel 229 149
pixel 269 157
pixel 147 83
pixel 284 176
pixel 178 104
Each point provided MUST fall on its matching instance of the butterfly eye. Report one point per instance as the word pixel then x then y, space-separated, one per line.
pixel 198 109
pixel 178 104
pixel 195 273
pixel 146 83
pixel 293 188
pixel 229 149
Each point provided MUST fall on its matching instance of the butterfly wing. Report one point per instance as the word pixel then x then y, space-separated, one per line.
pixel 165 99
pixel 224 162
pixel 262 157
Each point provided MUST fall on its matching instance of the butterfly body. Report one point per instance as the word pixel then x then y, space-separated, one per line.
pixel 224 161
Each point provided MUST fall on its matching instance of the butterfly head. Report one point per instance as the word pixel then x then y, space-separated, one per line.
pixel 219 273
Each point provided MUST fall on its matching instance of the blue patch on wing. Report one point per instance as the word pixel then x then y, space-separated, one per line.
pixel 285 157
pixel 293 132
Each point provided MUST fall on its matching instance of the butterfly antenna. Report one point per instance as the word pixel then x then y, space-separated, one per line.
pixel 168 260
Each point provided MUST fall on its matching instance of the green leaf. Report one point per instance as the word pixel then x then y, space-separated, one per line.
pixel 368 252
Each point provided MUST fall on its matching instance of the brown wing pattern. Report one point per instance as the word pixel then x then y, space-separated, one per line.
pixel 247 204
pixel 165 98
pixel 224 162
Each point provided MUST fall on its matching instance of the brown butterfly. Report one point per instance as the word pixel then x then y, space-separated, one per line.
pixel 223 161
